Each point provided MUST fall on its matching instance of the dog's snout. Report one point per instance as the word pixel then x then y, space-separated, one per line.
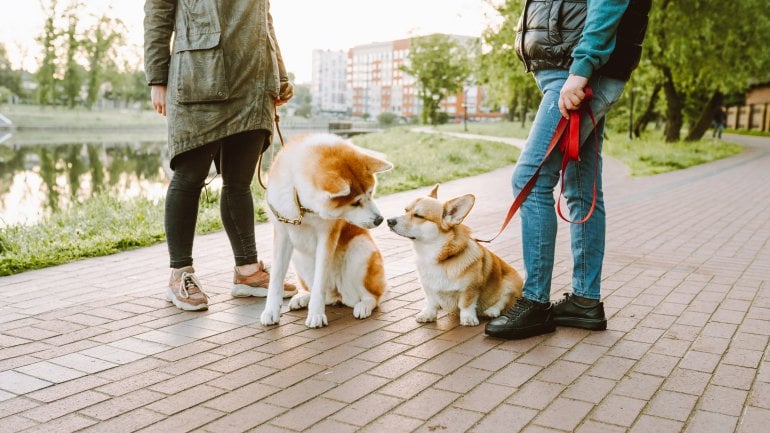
pixel 378 220
pixel 391 222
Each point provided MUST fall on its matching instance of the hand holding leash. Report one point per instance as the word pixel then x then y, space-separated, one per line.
pixel 572 94
pixel 569 145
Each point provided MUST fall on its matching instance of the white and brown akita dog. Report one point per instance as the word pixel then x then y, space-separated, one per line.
pixel 455 270
pixel 320 200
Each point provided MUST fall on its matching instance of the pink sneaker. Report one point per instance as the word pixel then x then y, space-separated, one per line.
pixel 185 291
pixel 256 284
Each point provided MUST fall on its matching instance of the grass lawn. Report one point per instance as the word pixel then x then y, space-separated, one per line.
pixel 103 225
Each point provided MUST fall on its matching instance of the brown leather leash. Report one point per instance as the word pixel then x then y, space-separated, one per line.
pixel 567 137
pixel 259 160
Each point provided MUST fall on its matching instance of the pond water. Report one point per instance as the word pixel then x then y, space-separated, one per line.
pixel 39 179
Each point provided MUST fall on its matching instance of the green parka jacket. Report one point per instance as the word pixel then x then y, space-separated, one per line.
pixel 222 72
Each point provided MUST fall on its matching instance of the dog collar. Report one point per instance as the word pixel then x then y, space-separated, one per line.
pixel 300 208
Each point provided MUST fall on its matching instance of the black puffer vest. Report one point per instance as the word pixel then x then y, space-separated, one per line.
pixel 549 30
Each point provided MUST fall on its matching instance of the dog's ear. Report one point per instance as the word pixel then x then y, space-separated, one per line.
pixel 434 192
pixel 457 209
pixel 376 165
pixel 335 186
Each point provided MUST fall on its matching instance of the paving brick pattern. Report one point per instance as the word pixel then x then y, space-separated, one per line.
pixel 93 346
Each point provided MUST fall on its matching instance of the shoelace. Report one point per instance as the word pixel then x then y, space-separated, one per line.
pixel 189 284
pixel 519 307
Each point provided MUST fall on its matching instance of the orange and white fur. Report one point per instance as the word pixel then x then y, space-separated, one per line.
pixel 334 256
pixel 454 269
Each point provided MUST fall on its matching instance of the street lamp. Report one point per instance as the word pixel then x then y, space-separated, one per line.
pixel 465 105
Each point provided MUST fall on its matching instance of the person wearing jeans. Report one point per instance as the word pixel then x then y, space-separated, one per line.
pixel 606 47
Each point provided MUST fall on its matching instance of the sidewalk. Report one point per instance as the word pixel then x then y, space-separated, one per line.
pixel 93 345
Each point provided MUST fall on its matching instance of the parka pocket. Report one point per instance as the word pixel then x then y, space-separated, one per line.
pixel 201 74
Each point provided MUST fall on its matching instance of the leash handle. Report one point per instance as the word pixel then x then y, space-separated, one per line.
pixel 571 153
pixel 569 145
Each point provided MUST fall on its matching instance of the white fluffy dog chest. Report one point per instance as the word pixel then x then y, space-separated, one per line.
pixel 434 277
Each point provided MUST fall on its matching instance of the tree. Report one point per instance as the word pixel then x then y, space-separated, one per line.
pixel 100 50
pixel 699 68
pixel 46 74
pixel 501 71
pixel 9 78
pixel 73 72
pixel 440 65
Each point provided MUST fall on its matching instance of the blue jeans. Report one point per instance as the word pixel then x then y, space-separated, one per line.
pixel 538 215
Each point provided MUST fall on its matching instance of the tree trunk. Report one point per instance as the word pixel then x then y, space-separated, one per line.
pixel 511 116
pixel 706 117
pixel 649 112
pixel 673 108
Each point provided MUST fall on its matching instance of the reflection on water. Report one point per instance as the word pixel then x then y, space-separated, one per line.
pixel 39 179
pixel 36 180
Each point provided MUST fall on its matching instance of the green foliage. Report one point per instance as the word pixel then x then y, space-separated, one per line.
pixel 501 71
pixel 650 155
pixel 5 94
pixel 9 78
pixel 387 118
pixel 728 50
pixel 440 65
pixel 73 75
pixel 46 81
pixel 495 129
pixel 101 226
pixel 99 46
pixel 425 159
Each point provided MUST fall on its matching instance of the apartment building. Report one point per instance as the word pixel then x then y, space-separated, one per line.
pixel 376 84
pixel 329 86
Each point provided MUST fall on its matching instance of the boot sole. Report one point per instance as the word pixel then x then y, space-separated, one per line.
pixel 576 322
pixel 518 334
pixel 245 291
pixel 183 305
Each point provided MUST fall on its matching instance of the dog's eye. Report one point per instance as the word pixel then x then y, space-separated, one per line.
pixel 419 216
pixel 357 203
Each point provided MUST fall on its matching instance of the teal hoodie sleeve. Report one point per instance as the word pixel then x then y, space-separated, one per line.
pixel 598 39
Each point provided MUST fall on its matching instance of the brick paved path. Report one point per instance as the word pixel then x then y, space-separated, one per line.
pixel 93 345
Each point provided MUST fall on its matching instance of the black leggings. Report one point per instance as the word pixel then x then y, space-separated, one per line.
pixel 238 161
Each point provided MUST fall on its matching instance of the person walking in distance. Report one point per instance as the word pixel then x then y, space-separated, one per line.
pixel 720 118
pixel 569 46
pixel 218 85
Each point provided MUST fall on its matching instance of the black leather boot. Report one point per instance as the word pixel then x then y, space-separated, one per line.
pixel 524 319
pixel 570 312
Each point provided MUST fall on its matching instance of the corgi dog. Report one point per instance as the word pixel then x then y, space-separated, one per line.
pixel 456 272
pixel 319 197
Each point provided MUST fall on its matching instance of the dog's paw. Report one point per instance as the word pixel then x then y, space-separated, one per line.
pixel 299 301
pixel 468 319
pixel 270 316
pixel 492 312
pixel 425 316
pixel 316 320
pixel 362 310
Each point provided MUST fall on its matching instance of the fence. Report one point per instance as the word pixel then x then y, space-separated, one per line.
pixel 754 116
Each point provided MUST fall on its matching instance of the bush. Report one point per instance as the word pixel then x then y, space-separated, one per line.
pixel 386 119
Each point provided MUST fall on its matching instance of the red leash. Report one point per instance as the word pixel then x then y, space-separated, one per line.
pixel 569 145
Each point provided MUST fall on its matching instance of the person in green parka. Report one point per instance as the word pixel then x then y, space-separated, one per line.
pixel 216 72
